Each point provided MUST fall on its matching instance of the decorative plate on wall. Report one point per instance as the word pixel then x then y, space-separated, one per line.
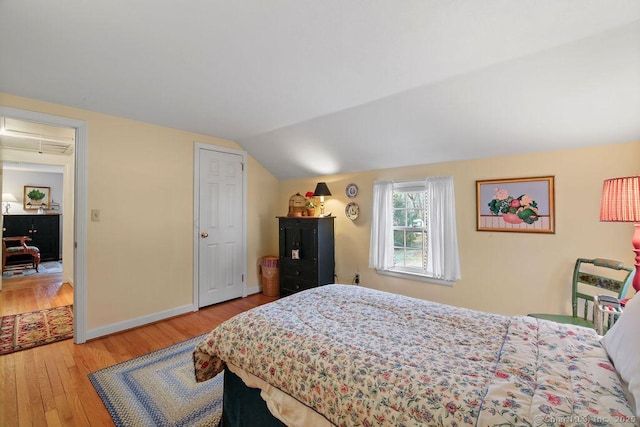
pixel 352 210
pixel 351 190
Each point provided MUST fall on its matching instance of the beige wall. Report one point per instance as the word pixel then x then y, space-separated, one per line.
pixel 140 177
pixel 140 255
pixel 511 273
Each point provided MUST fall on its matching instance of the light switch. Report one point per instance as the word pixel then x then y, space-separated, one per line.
pixel 95 215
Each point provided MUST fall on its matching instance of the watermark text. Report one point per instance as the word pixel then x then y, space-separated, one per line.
pixel 582 419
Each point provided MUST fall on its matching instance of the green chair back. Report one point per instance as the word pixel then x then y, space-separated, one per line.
pixel 593 272
pixel 618 286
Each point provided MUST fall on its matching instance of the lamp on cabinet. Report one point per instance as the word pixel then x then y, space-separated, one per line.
pixel 322 190
pixel 7 198
pixel 621 203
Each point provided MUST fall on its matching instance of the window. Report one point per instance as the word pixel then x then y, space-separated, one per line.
pixel 409 230
pixel 413 230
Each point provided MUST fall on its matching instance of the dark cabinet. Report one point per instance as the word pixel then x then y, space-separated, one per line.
pixel 306 254
pixel 44 231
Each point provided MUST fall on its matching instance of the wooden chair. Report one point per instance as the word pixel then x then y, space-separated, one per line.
pixel 592 272
pixel 21 249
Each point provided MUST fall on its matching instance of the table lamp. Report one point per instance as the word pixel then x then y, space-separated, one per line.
pixel 621 203
pixel 322 190
pixel 6 198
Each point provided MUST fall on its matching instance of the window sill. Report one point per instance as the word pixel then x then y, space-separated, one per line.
pixel 416 277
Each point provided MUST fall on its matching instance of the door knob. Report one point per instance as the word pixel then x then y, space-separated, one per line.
pixel 204 234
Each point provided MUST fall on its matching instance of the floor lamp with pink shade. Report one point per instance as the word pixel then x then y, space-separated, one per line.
pixel 621 203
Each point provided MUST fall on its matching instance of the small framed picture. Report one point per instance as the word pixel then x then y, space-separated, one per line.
pixel 36 197
pixel 295 253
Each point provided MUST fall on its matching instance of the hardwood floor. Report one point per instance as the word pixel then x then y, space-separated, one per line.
pixel 30 293
pixel 49 386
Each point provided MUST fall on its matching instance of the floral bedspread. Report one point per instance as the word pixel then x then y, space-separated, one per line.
pixel 363 357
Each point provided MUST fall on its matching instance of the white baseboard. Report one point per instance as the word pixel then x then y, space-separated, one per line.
pixel 254 290
pixel 145 320
pixel 140 321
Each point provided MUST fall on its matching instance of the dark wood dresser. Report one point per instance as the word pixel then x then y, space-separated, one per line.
pixel 44 231
pixel 307 257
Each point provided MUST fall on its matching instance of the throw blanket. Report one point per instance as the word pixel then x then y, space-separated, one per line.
pixel 364 357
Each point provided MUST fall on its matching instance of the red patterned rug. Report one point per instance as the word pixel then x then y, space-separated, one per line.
pixel 28 330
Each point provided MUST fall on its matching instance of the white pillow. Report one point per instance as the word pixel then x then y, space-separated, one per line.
pixel 622 343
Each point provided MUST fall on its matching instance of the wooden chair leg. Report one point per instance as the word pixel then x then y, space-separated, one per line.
pixel 36 260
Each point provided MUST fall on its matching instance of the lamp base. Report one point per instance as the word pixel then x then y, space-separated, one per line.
pixel 635 241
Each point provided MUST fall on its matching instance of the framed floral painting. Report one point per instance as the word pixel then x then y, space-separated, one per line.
pixel 36 197
pixel 524 205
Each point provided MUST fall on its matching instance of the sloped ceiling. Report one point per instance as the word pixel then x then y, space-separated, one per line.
pixel 334 86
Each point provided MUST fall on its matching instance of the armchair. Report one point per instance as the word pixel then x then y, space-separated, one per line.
pixel 20 249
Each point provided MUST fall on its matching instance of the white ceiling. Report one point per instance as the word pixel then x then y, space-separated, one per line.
pixel 335 86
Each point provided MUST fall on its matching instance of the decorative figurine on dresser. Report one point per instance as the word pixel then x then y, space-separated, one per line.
pixel 307 256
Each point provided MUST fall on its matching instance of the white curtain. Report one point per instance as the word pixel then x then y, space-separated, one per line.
pixel 381 246
pixel 443 261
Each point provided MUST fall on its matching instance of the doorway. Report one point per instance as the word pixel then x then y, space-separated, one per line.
pixel 74 220
pixel 29 288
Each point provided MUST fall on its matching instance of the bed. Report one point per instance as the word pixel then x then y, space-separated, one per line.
pixel 347 355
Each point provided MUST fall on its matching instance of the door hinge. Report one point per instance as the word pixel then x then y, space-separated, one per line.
pixel 243 278
pixel 242 164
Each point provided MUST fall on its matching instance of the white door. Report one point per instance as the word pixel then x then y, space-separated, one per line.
pixel 221 226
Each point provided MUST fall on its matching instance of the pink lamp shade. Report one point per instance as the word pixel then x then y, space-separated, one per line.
pixel 621 203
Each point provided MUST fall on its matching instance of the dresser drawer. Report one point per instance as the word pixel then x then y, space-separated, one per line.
pixel 290 285
pixel 299 270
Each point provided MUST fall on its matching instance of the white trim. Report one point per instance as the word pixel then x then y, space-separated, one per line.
pixel 148 319
pixel 196 209
pixel 416 277
pixel 80 209
pixel 254 290
pixel 139 321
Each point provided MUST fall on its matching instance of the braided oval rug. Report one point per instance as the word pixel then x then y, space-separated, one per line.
pixel 159 389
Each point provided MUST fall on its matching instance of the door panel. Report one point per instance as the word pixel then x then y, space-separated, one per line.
pixel 221 246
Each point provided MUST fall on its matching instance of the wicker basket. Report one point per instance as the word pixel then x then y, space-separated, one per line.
pixel 297 204
pixel 270 276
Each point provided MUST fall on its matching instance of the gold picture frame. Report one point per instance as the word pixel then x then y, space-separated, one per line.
pixel 521 205
pixel 32 199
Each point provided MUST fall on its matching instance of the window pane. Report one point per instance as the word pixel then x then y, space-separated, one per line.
pixel 414 200
pixel 415 218
pixel 399 218
pixel 398 238
pixel 415 239
pixel 413 258
pixel 399 200
pixel 398 257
